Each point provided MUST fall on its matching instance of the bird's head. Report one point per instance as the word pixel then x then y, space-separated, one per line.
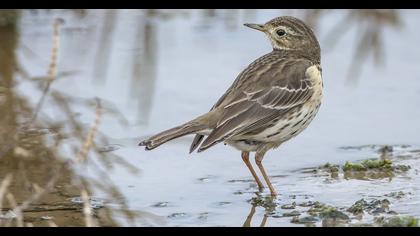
pixel 289 33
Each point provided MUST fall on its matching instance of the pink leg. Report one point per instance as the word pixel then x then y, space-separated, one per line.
pixel 258 159
pixel 245 158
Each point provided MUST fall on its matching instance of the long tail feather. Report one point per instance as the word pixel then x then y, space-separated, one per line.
pixel 167 135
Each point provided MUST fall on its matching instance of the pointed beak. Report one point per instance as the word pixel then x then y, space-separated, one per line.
pixel 256 26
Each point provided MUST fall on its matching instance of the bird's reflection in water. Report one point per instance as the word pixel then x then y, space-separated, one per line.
pixel 248 220
pixel 269 205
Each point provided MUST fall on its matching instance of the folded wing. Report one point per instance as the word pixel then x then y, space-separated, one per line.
pixel 279 87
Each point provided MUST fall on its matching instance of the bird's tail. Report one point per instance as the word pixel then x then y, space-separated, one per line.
pixel 167 135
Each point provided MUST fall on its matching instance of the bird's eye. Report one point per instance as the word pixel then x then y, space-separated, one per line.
pixel 281 32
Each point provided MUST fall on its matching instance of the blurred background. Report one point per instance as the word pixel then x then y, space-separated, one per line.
pixel 80 88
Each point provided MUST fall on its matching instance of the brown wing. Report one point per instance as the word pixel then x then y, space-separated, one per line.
pixel 241 80
pixel 267 92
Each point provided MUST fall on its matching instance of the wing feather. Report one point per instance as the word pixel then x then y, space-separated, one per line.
pixel 258 98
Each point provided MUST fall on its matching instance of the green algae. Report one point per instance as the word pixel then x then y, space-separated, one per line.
pixel 358 207
pixel 367 169
pixel 292 213
pixel 374 207
pixel 332 216
pixel 289 206
pixel 397 221
pixel 324 211
pixel 376 169
pixel 329 215
pixel 334 213
pixel 330 167
pixel 316 208
pixel 308 204
pixel 304 220
pixel 381 164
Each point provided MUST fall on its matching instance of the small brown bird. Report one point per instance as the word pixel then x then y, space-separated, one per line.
pixel 272 100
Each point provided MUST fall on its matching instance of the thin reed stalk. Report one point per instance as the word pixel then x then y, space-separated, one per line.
pixel 87 210
pixel 91 135
pixel 52 68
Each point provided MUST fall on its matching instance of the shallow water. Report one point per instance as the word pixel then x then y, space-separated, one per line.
pixel 162 71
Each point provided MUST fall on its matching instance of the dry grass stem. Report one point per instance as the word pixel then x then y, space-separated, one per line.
pixel 3 189
pixel 16 210
pixel 52 68
pixel 87 210
pixel 39 192
pixel 91 135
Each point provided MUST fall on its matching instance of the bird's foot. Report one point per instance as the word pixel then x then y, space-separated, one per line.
pixel 273 192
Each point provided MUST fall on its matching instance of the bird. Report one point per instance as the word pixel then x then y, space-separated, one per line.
pixel 271 101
